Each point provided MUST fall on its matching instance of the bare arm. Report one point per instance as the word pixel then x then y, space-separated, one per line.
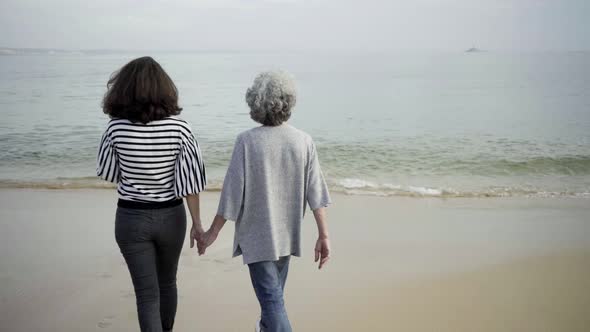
pixel 195 210
pixel 322 246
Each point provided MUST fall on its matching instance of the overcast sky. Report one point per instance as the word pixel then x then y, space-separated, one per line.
pixel 373 25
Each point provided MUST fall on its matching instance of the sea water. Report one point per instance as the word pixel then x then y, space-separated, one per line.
pixel 417 124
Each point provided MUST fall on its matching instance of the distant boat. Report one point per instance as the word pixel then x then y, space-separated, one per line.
pixel 473 50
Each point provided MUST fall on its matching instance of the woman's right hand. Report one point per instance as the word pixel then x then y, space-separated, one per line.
pixel 196 234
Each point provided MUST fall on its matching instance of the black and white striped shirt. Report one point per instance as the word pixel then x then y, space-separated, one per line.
pixel 154 162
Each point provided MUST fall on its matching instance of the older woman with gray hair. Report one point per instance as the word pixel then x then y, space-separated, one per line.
pixel 274 172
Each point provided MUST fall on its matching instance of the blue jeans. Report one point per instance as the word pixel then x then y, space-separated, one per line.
pixel 268 279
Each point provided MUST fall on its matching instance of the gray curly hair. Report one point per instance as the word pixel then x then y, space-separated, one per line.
pixel 271 97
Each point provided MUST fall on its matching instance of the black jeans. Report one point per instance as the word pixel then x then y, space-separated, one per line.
pixel 151 241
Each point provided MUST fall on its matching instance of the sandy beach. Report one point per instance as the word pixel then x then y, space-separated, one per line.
pixel 399 264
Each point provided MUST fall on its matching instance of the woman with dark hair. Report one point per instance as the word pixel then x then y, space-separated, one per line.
pixel 155 160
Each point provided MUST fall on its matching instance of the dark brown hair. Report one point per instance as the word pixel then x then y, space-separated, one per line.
pixel 141 91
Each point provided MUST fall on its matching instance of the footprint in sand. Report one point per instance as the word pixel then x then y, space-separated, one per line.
pixel 104 325
pixel 106 322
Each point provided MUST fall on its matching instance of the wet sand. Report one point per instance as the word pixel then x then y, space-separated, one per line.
pixel 399 264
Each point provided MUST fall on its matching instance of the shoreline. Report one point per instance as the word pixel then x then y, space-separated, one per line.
pixel 399 263
pixel 367 191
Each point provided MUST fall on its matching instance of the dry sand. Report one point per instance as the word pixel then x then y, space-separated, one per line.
pixel 399 264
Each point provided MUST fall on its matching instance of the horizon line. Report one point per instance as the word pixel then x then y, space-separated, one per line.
pixel 233 50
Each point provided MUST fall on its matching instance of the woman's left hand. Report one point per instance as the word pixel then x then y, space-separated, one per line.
pixel 208 238
pixel 322 251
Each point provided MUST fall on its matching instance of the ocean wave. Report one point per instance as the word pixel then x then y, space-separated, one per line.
pixel 457 159
pixel 359 186
pixel 352 186
pixel 565 165
pixel 348 186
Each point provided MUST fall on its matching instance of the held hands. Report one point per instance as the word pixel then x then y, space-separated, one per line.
pixel 203 239
pixel 196 233
pixel 322 251
pixel 206 240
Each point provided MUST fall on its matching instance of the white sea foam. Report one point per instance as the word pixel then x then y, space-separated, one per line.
pixel 355 186
pixel 356 183
pixel 359 186
pixel 426 191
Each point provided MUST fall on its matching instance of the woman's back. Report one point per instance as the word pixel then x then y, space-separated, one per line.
pixel 273 174
pixel 276 161
pixel 151 162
